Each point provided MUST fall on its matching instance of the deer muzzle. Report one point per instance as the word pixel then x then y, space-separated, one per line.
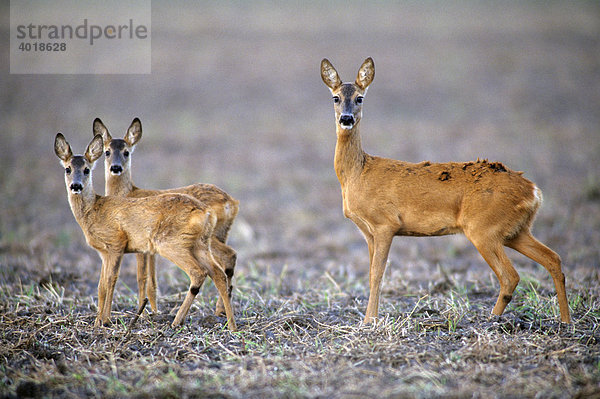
pixel 76 188
pixel 347 121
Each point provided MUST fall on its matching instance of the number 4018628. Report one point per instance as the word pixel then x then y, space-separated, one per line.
pixel 41 46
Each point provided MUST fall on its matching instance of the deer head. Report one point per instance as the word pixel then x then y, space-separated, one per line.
pixel 118 151
pixel 78 168
pixel 348 97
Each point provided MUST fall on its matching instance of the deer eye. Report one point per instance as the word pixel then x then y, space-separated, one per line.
pixel 359 100
pixel 126 153
pixel 86 171
pixel 68 170
pixel 107 153
pixel 336 99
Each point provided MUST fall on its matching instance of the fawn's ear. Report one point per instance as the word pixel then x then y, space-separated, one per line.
pixel 62 149
pixel 366 73
pixel 94 149
pixel 330 75
pixel 134 133
pixel 99 128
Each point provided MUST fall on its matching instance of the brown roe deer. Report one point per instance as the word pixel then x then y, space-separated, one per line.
pixel 176 226
pixel 491 204
pixel 118 181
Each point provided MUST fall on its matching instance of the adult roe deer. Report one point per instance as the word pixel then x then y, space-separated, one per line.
pixel 489 203
pixel 176 226
pixel 118 181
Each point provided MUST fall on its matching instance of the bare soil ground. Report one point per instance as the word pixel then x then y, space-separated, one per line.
pixel 235 99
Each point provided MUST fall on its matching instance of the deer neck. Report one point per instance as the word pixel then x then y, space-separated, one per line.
pixel 349 155
pixel 120 185
pixel 82 204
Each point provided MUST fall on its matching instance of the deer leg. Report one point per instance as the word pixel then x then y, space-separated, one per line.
pixel 221 282
pixel 222 232
pixel 526 244
pixel 150 261
pixel 101 293
pixel 186 261
pixel 219 278
pixel 111 264
pixel 227 257
pixel 196 268
pixel 142 276
pixel 195 285
pixel 496 258
pixel 381 248
pixel 371 246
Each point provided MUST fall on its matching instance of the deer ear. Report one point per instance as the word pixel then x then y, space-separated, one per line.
pixel 366 73
pixel 94 149
pixel 99 128
pixel 134 133
pixel 62 149
pixel 330 75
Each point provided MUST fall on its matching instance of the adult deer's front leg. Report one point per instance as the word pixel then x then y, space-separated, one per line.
pixel 381 248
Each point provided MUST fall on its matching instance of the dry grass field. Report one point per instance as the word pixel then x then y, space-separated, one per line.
pixel 235 99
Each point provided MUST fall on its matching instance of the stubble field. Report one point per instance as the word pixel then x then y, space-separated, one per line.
pixel 235 99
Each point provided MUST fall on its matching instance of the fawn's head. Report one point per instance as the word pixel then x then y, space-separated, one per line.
pixel 118 151
pixel 78 168
pixel 348 97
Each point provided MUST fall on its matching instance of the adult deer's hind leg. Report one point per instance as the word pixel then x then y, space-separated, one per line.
pixel 529 246
pixel 493 253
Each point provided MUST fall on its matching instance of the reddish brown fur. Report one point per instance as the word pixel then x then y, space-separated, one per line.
pixel 175 226
pixel 219 202
pixel 491 204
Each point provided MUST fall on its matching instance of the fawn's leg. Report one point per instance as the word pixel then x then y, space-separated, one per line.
pixel 192 268
pixel 150 260
pixel 111 263
pixel 219 278
pixel 142 276
pixel 226 256
pixel 101 292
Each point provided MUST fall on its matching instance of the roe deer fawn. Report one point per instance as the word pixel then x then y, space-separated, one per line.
pixel 492 205
pixel 176 226
pixel 117 178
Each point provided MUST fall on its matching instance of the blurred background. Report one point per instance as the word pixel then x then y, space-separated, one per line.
pixel 235 98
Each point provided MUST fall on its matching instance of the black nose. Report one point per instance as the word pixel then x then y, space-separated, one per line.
pixel 347 120
pixel 76 187
pixel 116 169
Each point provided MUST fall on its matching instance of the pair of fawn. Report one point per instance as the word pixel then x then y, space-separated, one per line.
pixel 189 225
pixel 489 203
